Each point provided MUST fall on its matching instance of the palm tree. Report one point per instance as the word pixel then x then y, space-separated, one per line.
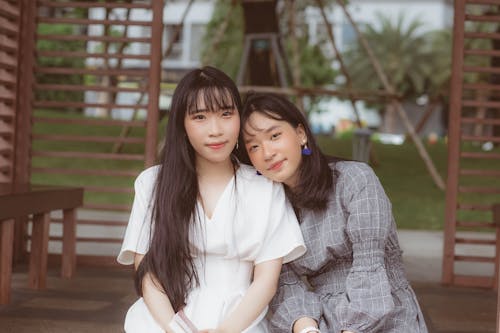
pixel 403 55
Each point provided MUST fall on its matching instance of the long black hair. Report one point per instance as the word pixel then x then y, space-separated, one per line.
pixel 316 180
pixel 170 257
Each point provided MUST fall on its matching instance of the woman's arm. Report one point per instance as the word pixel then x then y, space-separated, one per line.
pixel 257 297
pixel 156 300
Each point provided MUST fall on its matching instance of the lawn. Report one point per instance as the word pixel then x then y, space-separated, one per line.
pixel 417 202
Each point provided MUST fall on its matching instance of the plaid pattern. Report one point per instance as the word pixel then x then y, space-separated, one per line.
pixel 352 276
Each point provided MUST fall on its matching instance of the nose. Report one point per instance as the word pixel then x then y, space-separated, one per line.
pixel 215 127
pixel 268 151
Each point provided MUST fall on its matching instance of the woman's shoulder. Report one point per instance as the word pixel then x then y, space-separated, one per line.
pixel 147 177
pixel 250 182
pixel 351 168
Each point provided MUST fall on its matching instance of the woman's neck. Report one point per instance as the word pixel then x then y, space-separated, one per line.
pixel 205 169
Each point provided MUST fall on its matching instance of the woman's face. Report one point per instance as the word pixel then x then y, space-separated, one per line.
pixel 274 147
pixel 212 133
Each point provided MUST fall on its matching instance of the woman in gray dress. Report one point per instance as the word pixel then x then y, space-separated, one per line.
pixel 352 278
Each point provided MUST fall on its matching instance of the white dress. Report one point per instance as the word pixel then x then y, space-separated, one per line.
pixel 251 223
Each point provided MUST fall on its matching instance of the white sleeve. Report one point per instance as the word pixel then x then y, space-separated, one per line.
pixel 137 236
pixel 283 236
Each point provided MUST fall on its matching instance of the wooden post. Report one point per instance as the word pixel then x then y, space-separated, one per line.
pixel 453 143
pixel 68 261
pixel 496 220
pixel 6 245
pixel 154 84
pixel 39 251
pixel 24 110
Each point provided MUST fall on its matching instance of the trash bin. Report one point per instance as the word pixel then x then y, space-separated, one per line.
pixel 361 145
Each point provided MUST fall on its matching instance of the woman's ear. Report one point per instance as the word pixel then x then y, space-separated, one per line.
pixel 301 134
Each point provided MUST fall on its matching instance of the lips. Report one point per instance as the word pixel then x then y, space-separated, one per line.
pixel 216 145
pixel 276 166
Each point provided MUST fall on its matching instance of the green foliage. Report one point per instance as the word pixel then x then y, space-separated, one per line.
pixel 228 52
pixel 316 69
pixel 402 52
pixel 66 62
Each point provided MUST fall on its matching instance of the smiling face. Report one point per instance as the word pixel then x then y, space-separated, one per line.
pixel 274 147
pixel 212 133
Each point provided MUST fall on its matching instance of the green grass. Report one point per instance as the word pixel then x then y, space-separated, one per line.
pixel 417 202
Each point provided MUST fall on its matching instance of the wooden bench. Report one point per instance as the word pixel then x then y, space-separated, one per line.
pixel 25 200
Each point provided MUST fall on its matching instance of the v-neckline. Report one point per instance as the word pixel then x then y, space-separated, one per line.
pixel 218 202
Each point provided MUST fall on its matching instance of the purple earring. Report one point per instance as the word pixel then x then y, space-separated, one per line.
pixel 306 151
pixel 258 173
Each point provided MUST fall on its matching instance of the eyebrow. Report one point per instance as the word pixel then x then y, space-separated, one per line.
pixel 270 129
pixel 227 107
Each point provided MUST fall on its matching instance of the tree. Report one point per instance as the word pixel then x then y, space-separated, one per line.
pixel 401 49
pixel 316 68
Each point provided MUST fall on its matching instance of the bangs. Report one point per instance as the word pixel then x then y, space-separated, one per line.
pixel 210 99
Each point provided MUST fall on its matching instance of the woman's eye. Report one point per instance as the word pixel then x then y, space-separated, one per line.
pixel 227 114
pixel 198 117
pixel 252 148
pixel 275 135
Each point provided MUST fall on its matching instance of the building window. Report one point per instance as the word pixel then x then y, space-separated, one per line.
pixel 197 33
pixel 176 52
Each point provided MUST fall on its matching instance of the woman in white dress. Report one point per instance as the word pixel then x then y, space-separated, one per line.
pixel 207 235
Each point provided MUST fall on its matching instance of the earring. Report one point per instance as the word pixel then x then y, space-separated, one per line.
pixel 258 173
pixel 306 151
pixel 237 145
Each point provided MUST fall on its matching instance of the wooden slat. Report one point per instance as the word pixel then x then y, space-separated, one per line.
pixel 486 121
pixel 5 128
pixel 111 207
pixel 483 35
pixel 75 138
pixel 7 61
pixel 481 86
pixel 5 146
pixel 93 122
pixel 86 172
pixel 474 207
pixel 9 11
pixel 475 259
pixel 6 111
pixel 89 239
pixel 88 38
pixel 6 94
pixel 71 154
pixel 485 104
pixel 74 87
pixel 7 44
pixel 65 20
pixel 482 18
pixel 479 69
pixel 479 189
pixel 475 241
pixel 95 222
pixel 477 52
pixel 482 2
pixel 89 71
pixel 470 224
pixel 110 5
pixel 87 55
pixel 480 172
pixel 57 104
pixel 480 138
pixel 108 189
pixel 92 38
pixel 8 27
pixel 477 281
pixel 7 77
pixel 473 155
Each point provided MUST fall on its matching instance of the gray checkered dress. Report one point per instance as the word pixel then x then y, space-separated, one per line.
pixel 353 264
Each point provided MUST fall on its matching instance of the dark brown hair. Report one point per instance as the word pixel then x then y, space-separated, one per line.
pixel 315 175
pixel 169 258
